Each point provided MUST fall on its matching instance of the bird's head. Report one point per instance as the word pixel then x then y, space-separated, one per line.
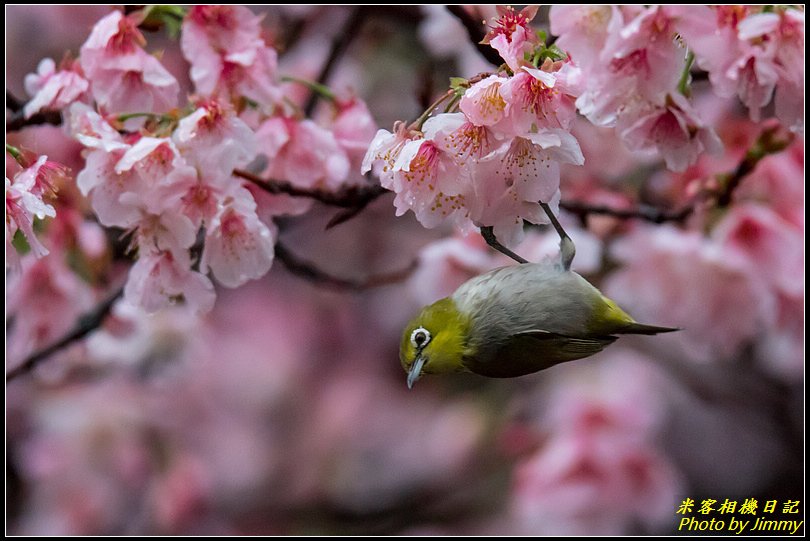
pixel 435 341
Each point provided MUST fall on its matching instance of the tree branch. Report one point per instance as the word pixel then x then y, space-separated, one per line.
pixel 347 197
pixel 339 46
pixel 13 103
pixel 772 140
pixel 476 32
pixel 87 323
pixel 309 271
pixel 642 212
pixel 17 120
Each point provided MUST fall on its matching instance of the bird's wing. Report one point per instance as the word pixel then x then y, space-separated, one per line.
pixel 530 351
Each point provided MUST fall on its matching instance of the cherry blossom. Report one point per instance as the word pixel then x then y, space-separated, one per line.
pixel 123 77
pixel 238 246
pixel 512 36
pixel 215 141
pixel 54 90
pixel 483 103
pixel 45 298
pixel 24 202
pixel 598 462
pixel 228 56
pixel 684 280
pixel 354 128
pixel 302 152
pixel 675 131
pixel 159 278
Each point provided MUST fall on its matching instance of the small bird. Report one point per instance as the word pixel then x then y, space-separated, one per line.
pixel 515 320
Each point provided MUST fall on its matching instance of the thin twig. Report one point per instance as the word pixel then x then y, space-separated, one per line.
pixel 87 323
pixel 642 212
pixel 341 43
pixel 489 236
pixel 348 197
pixel 476 32
pixel 309 271
pixel 773 139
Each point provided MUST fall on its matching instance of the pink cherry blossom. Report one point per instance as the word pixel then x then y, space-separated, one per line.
pixel 228 56
pixel 597 470
pixel 535 99
pixel 215 141
pixel 483 103
pixel 675 131
pixel 104 186
pixel 776 45
pixel 384 150
pixel 45 299
pixel 157 279
pixel 511 181
pixel 464 141
pixel 772 247
pixel 93 131
pixel 53 90
pixel 586 32
pixel 303 153
pixel 123 77
pixel 512 36
pixel 161 229
pixel 750 55
pixel 684 280
pixel 24 202
pixel 353 128
pixel 430 182
pixel 238 246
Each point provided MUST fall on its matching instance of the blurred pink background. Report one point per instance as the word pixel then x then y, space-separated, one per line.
pixel 285 410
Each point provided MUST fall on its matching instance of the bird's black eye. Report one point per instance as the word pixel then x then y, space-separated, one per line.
pixel 420 337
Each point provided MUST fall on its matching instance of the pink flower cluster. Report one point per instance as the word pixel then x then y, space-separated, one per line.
pixel 164 189
pixel 597 469
pixel 751 54
pixel 164 175
pixel 634 64
pixel 493 162
pixel 741 285
pixel 123 77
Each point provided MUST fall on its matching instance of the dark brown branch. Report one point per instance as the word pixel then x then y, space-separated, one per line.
pixel 348 197
pixel 309 271
pixel 773 139
pixel 341 43
pixel 13 103
pixel 476 32
pixel 642 212
pixel 87 323
pixel 17 121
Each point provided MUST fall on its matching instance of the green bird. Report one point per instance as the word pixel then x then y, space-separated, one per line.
pixel 515 320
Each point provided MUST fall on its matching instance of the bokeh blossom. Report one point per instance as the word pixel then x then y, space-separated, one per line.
pixel 215 238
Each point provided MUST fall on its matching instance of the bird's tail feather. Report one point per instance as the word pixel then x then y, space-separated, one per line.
pixel 640 328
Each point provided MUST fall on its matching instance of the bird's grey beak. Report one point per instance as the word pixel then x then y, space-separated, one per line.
pixel 416 370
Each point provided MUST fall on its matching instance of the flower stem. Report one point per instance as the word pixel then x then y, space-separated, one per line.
pixel 14 151
pixel 684 81
pixel 417 124
pixel 318 88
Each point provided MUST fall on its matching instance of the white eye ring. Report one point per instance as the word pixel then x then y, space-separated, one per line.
pixel 420 337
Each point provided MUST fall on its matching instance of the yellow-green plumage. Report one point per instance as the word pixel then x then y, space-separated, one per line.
pixel 514 321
